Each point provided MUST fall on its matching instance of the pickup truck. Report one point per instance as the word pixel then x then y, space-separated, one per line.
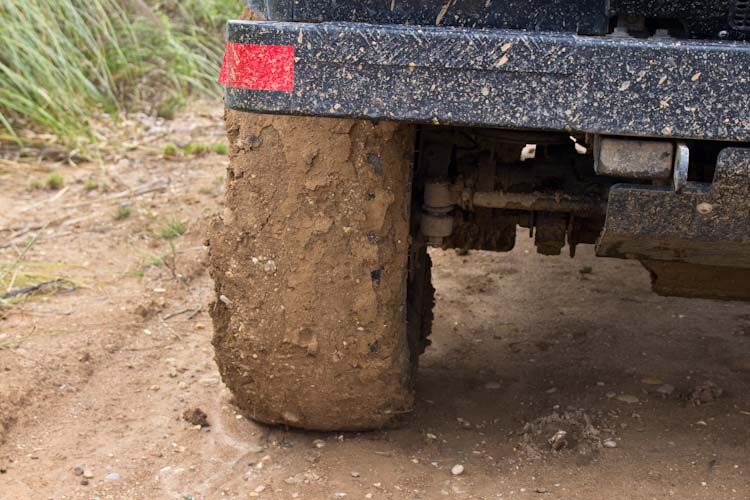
pixel 364 132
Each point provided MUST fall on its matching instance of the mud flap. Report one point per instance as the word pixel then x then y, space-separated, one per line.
pixel 695 242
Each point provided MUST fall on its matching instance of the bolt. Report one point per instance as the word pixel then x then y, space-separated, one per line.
pixel 705 208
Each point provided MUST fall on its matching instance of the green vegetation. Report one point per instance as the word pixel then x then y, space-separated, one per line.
pixel 155 261
pixel 123 212
pixel 170 150
pixel 20 274
pixel 172 229
pixel 55 181
pixel 63 63
pixel 196 149
pixel 90 185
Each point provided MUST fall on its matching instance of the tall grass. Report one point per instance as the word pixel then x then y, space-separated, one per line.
pixel 65 62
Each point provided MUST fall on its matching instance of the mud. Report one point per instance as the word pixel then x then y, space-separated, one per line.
pixel 309 260
pixel 88 382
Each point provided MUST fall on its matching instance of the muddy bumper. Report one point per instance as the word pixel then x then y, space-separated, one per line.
pixel 494 78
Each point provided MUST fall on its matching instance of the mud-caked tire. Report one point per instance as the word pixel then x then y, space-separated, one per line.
pixel 310 262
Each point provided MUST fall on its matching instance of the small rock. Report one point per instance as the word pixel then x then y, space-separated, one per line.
pixel 355 474
pixel 457 470
pixel 611 395
pixel 610 443
pixel 84 482
pixel 269 266
pixel 260 489
pixel 706 393
pixel 113 476
pixel 558 441
pixel 196 416
pixel 340 495
pixel 464 423
pixel 665 390
pixel 492 386
pixel 319 443
pixel 78 470
pixel 209 381
pixel 628 398
pixel 88 474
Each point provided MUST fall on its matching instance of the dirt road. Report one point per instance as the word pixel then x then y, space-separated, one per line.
pixel 523 347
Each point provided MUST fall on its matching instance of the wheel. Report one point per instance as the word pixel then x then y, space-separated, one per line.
pixel 310 262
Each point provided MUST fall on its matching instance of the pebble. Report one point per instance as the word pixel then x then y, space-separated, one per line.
pixel 628 398
pixel 319 443
pixel 78 470
pixel 665 389
pixel 355 474
pixel 88 474
pixel 457 470
pixel 208 381
pixel 706 393
pixel 558 441
pixel 113 476
pixel 269 266
pixel 492 386
pixel 84 482
pixel 610 443
pixel 464 423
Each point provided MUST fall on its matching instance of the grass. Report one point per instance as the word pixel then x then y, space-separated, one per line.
pixel 90 185
pixel 172 229
pixel 171 150
pixel 123 212
pixel 64 63
pixel 55 181
pixel 22 274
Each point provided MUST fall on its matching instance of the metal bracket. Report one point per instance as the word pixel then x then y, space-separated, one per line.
pixel 681 167
pixel 697 223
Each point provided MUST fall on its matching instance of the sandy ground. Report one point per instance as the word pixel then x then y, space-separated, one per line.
pixel 523 346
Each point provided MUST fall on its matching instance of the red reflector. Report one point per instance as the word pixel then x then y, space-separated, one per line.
pixel 258 67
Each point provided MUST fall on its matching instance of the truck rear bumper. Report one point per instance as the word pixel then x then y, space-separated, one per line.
pixel 492 78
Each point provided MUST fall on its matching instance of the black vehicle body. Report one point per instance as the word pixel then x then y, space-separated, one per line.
pixel 591 83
